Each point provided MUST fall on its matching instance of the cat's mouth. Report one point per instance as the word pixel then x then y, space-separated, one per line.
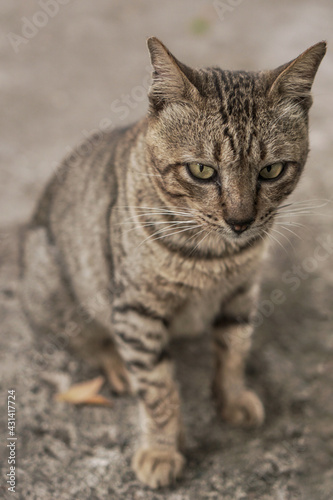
pixel 254 232
pixel 250 231
pixel 235 231
pixel 241 236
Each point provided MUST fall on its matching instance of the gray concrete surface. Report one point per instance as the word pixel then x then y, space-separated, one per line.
pixel 62 80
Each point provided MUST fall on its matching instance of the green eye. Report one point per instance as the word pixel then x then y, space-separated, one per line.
pixel 201 171
pixel 271 171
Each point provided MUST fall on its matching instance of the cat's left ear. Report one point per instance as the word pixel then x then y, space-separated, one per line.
pixel 295 79
pixel 173 81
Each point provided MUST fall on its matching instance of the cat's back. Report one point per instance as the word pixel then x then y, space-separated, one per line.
pixel 84 180
pixel 75 210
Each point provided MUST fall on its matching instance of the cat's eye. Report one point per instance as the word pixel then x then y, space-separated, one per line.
pixel 201 171
pixel 272 171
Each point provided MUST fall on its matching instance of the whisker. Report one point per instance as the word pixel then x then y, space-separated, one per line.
pixel 159 212
pixel 295 211
pixel 149 224
pixel 284 206
pixel 301 208
pixel 298 210
pixel 304 202
pixel 159 231
pixel 196 234
pixel 296 225
pixel 176 232
pixel 155 223
pixel 296 214
pixel 164 209
pixel 292 232
pixel 164 229
pixel 292 223
pixel 138 216
pixel 284 236
pixel 261 236
pixel 151 236
pixel 276 240
pixel 202 239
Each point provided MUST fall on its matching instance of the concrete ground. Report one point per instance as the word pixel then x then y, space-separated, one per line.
pixel 66 68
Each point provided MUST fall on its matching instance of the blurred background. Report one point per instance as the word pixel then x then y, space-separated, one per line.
pixel 70 68
pixel 67 66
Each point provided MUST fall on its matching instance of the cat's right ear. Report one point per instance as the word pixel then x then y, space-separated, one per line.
pixel 171 79
pixel 294 79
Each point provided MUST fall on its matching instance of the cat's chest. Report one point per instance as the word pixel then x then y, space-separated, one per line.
pixel 178 279
pixel 201 294
pixel 201 274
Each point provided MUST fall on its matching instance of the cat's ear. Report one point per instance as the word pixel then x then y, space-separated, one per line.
pixel 294 79
pixel 173 81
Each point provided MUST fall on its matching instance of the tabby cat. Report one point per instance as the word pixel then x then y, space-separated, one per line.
pixel 162 228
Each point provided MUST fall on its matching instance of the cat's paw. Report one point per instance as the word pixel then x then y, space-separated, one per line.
pixel 157 468
pixel 245 410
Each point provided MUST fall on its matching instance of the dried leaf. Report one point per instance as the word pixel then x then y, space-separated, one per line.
pixel 98 400
pixel 85 392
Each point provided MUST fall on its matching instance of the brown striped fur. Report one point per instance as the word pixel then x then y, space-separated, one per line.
pixel 127 248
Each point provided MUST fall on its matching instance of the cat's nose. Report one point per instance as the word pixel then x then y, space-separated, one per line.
pixel 239 226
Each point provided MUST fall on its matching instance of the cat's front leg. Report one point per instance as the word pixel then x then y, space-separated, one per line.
pixel 232 332
pixel 141 336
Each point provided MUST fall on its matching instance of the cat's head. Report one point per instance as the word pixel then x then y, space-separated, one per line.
pixel 229 145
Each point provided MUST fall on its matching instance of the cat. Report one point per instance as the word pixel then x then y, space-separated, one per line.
pixel 162 227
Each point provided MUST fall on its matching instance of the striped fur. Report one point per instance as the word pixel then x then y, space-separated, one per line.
pixel 130 249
